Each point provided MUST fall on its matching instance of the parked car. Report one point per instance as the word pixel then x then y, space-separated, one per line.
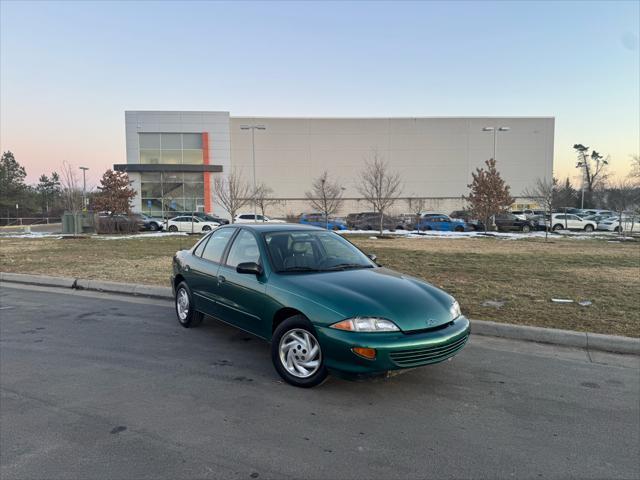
pixel 371 221
pixel 119 223
pixel 203 215
pixel 253 218
pixel 322 304
pixel 586 213
pixel 409 220
pixel 318 220
pixel 466 216
pixel 151 223
pixel 190 224
pixel 443 222
pixel 561 221
pixel 612 224
pixel 509 222
pixel 598 217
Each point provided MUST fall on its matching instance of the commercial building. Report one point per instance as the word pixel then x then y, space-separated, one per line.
pixel 173 157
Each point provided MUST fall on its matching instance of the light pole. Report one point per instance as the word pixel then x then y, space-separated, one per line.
pixel 84 187
pixel 253 128
pixel 495 131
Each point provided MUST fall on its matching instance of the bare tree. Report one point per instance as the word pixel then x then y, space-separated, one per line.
pixel 325 196
pixel 379 185
pixel 71 192
pixel 263 198
pixel 489 193
pixel 416 206
pixel 594 169
pixel 544 191
pixel 233 192
pixel 635 167
pixel 622 196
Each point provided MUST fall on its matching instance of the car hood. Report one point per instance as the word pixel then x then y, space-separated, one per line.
pixel 378 292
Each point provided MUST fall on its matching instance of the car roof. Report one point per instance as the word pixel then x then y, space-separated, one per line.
pixel 274 227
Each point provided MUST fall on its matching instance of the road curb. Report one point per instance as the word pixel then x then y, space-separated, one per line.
pixel 568 338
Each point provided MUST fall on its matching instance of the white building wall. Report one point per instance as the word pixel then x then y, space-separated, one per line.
pixel 435 156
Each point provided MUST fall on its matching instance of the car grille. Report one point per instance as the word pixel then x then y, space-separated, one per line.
pixel 421 356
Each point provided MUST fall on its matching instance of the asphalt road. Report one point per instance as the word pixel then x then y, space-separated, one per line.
pixel 97 386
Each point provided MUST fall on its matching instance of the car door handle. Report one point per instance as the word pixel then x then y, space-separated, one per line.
pixel 187 268
pixel 221 279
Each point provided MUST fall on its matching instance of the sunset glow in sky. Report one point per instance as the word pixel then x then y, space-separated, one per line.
pixel 69 70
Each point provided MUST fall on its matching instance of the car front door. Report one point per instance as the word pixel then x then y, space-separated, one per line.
pixel 241 296
pixel 203 274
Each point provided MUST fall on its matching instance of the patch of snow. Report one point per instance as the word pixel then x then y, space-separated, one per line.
pixel 142 236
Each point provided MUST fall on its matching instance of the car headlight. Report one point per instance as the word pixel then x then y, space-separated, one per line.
pixel 366 324
pixel 455 310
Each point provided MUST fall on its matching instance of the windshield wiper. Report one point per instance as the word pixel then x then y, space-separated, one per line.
pixel 345 266
pixel 299 269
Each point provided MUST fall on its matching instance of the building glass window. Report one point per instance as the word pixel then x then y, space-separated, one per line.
pixel 171 148
pixel 169 193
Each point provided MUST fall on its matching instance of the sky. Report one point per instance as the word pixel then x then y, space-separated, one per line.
pixel 69 70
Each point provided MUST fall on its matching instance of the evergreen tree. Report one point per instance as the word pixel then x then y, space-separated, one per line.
pixel 12 186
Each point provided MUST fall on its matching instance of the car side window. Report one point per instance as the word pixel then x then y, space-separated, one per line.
pixel 244 249
pixel 217 243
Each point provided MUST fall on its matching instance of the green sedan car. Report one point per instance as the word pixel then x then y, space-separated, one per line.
pixel 323 304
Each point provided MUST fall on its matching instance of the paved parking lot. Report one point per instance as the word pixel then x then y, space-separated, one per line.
pixel 97 386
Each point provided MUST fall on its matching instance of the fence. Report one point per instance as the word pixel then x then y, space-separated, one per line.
pixel 13 221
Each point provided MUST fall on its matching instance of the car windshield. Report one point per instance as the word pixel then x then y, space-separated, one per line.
pixel 313 251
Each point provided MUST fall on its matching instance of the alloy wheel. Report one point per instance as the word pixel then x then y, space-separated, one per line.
pixel 300 353
pixel 182 304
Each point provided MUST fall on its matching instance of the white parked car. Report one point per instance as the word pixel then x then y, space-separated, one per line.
pixel 190 225
pixel 612 224
pixel 561 221
pixel 253 218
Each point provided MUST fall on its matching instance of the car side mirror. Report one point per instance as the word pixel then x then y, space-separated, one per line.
pixel 249 267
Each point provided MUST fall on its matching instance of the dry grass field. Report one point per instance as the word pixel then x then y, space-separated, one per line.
pixel 524 274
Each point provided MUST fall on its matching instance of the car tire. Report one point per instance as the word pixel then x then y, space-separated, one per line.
pixel 526 229
pixel 173 228
pixel 287 333
pixel 206 228
pixel 187 315
pixel 557 227
pixel 618 229
pixel 153 227
pixel 459 229
pixel 588 228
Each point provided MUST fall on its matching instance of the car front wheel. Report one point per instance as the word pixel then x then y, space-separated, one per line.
pixel 187 315
pixel 588 228
pixel 526 229
pixel 296 353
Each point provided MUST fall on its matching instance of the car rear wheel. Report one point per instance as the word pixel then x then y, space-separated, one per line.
pixel 526 229
pixel 557 227
pixel 588 228
pixel 618 229
pixel 296 353
pixel 173 228
pixel 187 315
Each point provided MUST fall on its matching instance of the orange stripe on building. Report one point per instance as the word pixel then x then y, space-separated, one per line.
pixel 207 175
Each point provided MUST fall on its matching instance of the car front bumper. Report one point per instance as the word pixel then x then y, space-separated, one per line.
pixel 394 350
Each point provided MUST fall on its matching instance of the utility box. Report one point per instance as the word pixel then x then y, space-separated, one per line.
pixel 78 223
